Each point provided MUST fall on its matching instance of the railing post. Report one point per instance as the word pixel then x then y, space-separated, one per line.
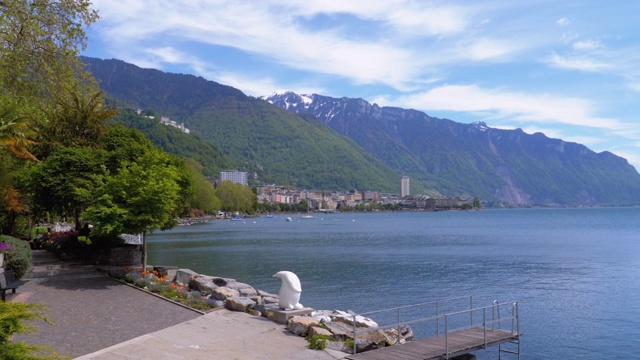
pixel 518 317
pixel 354 334
pixel 398 327
pixel 446 337
pixel 484 326
pixel 471 308
pixel 437 318
pixel 513 316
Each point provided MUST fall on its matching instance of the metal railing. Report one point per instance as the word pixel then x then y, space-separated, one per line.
pixel 445 318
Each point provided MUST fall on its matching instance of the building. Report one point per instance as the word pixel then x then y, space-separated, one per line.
pixel 238 177
pixel 404 186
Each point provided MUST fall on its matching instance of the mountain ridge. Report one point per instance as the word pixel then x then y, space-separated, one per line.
pixel 463 159
pixel 342 144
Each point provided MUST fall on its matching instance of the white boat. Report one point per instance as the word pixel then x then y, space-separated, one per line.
pixel 306 217
pixel 289 219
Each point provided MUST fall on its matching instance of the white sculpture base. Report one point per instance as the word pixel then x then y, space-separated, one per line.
pixel 282 316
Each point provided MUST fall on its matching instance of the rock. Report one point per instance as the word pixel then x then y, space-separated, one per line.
pixel 254 312
pixel 323 315
pixel 183 276
pixel 242 288
pixel 407 332
pixel 316 330
pixel 300 325
pixel 363 345
pixel 216 303
pixel 166 271
pixel 339 346
pixel 347 318
pixel 378 337
pixel 248 292
pixel 266 294
pixel 237 303
pixel 223 293
pixel 393 338
pixel 203 283
pixel 340 330
pixel 221 281
pixel 265 308
pixel 270 300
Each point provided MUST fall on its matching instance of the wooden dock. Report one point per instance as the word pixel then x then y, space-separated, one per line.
pixel 458 342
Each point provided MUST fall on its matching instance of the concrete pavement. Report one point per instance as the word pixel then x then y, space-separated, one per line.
pixel 97 317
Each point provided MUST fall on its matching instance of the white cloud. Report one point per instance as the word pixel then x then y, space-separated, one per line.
pixel 587 45
pixel 563 21
pixel 577 63
pixel 504 105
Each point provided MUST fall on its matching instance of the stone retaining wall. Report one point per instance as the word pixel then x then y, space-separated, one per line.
pixel 328 328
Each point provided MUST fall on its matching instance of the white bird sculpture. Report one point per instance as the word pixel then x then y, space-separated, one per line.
pixel 290 290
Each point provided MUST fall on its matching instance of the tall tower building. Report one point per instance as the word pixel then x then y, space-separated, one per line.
pixel 238 177
pixel 404 186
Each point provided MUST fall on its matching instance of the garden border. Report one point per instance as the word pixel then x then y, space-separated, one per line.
pixel 162 297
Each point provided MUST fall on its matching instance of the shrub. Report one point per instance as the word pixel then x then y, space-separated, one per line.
pixel 16 319
pixel 18 258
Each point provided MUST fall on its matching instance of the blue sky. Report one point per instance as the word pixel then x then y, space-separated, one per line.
pixel 568 69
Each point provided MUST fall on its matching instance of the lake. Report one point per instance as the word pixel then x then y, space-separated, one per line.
pixel 576 272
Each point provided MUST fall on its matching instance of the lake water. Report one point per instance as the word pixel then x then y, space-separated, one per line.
pixel 576 272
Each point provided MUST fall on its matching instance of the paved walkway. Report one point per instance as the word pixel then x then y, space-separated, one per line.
pixel 99 318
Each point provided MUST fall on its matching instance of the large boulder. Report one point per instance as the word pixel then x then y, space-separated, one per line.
pixel 348 317
pixel 238 303
pixel 203 283
pixel 242 288
pixel 339 330
pixel 319 331
pixel 300 325
pixel 184 276
pixel 223 293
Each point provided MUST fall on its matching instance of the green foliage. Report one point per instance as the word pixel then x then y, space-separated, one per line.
pixel 39 45
pixel 319 342
pixel 17 318
pixel 141 196
pixel 77 120
pixel 204 195
pixel 65 181
pixel 19 257
pixel 276 145
pixel 174 141
pixel 236 197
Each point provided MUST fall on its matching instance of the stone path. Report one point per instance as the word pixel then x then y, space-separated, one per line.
pixel 90 310
pixel 97 317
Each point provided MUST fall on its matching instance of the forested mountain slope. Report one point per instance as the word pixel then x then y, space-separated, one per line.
pixel 274 145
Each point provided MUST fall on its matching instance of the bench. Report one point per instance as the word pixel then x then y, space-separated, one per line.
pixel 9 282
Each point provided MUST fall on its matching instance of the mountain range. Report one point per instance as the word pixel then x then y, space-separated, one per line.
pixel 324 143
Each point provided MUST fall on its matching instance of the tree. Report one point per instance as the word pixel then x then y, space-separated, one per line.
pixel 204 195
pixel 65 181
pixel 476 203
pixel 140 197
pixel 77 120
pixel 15 133
pixel 235 197
pixel 39 46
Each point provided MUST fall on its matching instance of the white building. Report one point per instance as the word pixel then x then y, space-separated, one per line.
pixel 404 186
pixel 238 177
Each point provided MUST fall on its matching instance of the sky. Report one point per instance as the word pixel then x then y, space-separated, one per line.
pixel 569 69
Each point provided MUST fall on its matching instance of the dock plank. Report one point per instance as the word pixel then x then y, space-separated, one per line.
pixel 464 340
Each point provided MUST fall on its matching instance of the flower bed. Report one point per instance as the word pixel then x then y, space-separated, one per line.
pixel 158 284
